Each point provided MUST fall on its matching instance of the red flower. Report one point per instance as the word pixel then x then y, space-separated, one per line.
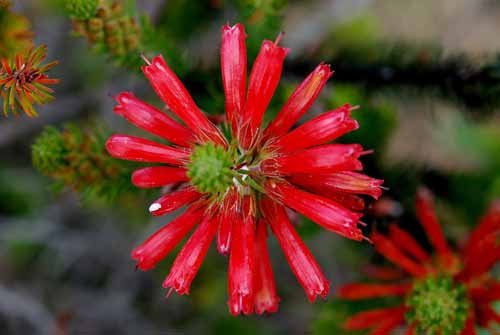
pixel 446 294
pixel 23 81
pixel 237 187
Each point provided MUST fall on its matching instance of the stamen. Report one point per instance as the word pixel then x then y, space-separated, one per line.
pixel 147 61
pixel 169 293
pixel 278 38
pixel 367 239
pixel 366 152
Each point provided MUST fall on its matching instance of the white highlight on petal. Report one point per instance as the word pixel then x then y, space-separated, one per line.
pixel 154 207
pixel 245 168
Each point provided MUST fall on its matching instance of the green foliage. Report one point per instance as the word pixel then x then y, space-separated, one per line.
pixel 361 33
pixel 112 31
pixel 49 151
pixel 230 325
pixel 377 119
pixel 260 21
pixel 81 9
pixel 330 319
pixel 269 7
pixel 181 19
pixel 15 33
pixel 23 254
pixel 475 141
pixel 156 41
pixel 13 200
pixel 438 306
pixel 76 159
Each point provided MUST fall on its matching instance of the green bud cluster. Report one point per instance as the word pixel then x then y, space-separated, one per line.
pixel 438 305
pixel 268 6
pixel 81 9
pixel 110 30
pixel 76 159
pixel 210 169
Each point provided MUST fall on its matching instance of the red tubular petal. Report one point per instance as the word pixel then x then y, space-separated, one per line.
pixel 266 297
pixel 158 176
pixel 141 150
pixel 228 213
pixel 299 102
pixel 411 329
pixel 320 130
pixel 152 120
pixel 470 328
pixel 299 257
pixel 156 247
pixel 346 200
pixel 481 251
pixel 485 294
pixel 407 243
pixel 233 60
pixel 173 201
pixel 427 216
pixel 264 78
pixel 389 324
pixel 324 212
pixel 390 251
pixel 188 261
pixel 323 159
pixel 368 291
pixel 242 261
pixel 346 181
pixel 487 229
pixel 6 66
pixel 374 317
pixel 481 263
pixel 349 201
pixel 383 273
pixel 479 293
pixel 171 90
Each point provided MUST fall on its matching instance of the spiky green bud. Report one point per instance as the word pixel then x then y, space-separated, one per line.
pixel 438 305
pixel 81 9
pixel 49 150
pixel 210 169
pixel 76 159
pixel 111 29
pixel 268 6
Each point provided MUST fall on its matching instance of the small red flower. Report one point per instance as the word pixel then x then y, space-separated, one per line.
pixel 23 81
pixel 447 293
pixel 236 188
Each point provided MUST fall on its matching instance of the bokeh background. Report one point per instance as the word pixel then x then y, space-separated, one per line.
pixel 427 77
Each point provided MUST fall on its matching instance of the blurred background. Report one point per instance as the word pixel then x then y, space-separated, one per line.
pixel 425 73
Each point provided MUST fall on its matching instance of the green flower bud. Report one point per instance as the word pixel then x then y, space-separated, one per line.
pixel 210 169
pixel 438 305
pixel 49 151
pixel 82 9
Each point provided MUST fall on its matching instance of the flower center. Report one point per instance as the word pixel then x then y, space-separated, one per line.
pixel 210 169
pixel 438 306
